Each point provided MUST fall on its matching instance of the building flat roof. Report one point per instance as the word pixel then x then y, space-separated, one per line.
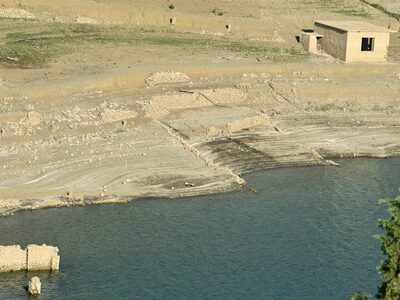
pixel 349 26
pixel 312 34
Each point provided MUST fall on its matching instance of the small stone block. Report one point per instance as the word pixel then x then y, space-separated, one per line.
pixel 35 286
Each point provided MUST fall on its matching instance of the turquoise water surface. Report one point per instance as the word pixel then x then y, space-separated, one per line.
pixel 306 234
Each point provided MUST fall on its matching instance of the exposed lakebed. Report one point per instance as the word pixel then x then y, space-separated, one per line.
pixel 306 234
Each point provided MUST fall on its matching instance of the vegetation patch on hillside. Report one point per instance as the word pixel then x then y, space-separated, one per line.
pixel 34 44
pixel 383 9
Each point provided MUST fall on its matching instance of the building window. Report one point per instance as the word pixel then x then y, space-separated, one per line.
pixel 367 44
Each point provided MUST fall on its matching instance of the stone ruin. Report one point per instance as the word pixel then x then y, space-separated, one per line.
pixel 33 258
pixel 35 286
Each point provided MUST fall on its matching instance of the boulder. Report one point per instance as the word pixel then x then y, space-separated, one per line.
pixel 35 286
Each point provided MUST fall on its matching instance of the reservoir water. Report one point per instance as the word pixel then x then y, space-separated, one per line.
pixel 306 234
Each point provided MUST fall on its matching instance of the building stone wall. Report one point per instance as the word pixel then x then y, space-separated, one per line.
pixel 334 41
pixel 309 41
pixel 380 50
pixel 305 41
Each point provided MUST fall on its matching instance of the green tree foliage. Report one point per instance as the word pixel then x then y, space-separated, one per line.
pixel 390 267
pixel 360 296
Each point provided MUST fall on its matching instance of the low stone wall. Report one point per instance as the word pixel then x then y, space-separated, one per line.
pixel 42 258
pixel 12 258
pixel 33 258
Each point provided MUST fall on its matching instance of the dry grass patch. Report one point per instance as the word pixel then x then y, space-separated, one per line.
pixel 34 44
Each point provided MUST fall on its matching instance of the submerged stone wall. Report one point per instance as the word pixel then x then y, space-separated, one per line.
pixel 42 258
pixel 33 258
pixel 12 258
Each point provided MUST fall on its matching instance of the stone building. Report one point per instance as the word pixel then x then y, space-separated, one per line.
pixel 350 41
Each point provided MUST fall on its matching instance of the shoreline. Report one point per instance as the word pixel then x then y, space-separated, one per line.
pixel 88 201
pixel 335 204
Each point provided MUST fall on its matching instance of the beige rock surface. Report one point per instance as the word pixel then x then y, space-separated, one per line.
pixel 33 258
pixel 35 286
pixel 33 119
pixel 167 77
pixel 42 258
pixel 16 13
pixel 110 115
pixel 12 258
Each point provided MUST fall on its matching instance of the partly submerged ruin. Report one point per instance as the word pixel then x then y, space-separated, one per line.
pixel 33 258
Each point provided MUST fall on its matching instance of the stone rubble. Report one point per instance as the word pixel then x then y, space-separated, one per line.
pixel 167 77
pixel 16 13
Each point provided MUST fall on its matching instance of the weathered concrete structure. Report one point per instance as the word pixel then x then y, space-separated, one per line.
pixel 350 41
pixel 309 40
pixel 33 258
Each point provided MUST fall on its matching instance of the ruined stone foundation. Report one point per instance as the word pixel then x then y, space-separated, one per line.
pixel 33 258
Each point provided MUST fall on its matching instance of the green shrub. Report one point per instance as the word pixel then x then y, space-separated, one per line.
pixel 217 12
pixel 377 6
pixel 360 296
pixel 390 267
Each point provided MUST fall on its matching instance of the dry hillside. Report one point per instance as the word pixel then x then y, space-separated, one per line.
pixel 106 101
